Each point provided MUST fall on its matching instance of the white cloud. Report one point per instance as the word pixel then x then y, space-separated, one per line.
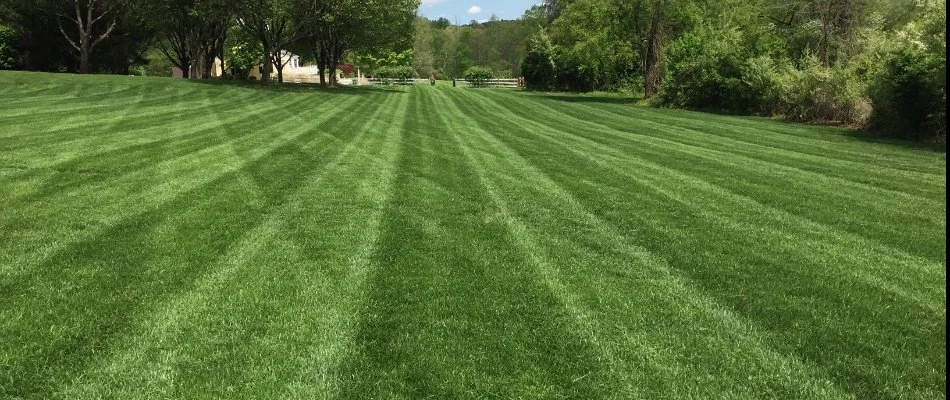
pixel 474 10
pixel 430 3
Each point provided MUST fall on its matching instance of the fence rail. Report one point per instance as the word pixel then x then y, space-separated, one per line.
pixel 381 81
pixel 501 83
pixel 498 83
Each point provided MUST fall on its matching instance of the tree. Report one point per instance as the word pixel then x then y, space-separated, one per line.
pixel 190 33
pixel 276 24
pixel 94 21
pixel 423 58
pixel 653 53
pixel 369 26
pixel 441 23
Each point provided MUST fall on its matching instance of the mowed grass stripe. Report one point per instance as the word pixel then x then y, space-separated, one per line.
pixel 451 311
pixel 23 114
pixel 735 139
pixel 108 199
pixel 135 121
pixel 313 249
pixel 86 291
pixel 838 143
pixel 718 202
pixel 137 145
pixel 456 243
pixel 26 94
pixel 649 308
pixel 790 298
pixel 56 122
pixel 859 209
pixel 913 184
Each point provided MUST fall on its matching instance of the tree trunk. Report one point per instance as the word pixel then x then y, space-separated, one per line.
pixel 267 67
pixel 277 61
pixel 84 61
pixel 653 68
pixel 209 66
pixel 334 62
pixel 84 24
pixel 322 65
pixel 220 51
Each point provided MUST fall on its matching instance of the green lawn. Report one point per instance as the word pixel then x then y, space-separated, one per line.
pixel 172 239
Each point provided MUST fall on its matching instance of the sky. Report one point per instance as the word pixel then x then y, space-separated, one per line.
pixel 479 10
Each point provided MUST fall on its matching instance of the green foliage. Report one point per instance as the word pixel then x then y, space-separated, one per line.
pixel 398 74
pixel 813 92
pixel 242 53
pixel 761 84
pixel 497 44
pixel 908 90
pixel 157 65
pixel 478 76
pixel 599 48
pixel 909 96
pixel 375 61
pixel 8 47
pixel 539 68
pixel 808 60
pixel 705 71
pixel 550 67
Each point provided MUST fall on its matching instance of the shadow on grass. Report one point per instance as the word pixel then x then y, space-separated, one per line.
pixel 591 98
pixel 866 135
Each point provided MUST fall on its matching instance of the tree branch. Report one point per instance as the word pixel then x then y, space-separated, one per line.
pixel 71 42
pixel 104 35
pixel 78 20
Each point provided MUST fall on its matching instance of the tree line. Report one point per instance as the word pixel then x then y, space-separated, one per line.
pixel 448 49
pixel 113 36
pixel 878 63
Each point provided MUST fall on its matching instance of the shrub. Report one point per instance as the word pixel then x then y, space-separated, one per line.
pixel 390 74
pixel 909 96
pixel 538 67
pixel 817 93
pixel 538 71
pixel 8 46
pixel 760 81
pixel 478 76
pixel 709 69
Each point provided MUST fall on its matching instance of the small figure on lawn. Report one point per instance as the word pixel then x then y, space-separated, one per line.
pixel 432 78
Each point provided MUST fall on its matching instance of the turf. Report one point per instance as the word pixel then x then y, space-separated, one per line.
pixel 172 239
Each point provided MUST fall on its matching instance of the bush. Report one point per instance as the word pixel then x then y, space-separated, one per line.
pixel 909 96
pixel 760 80
pixel 398 74
pixel 478 76
pixel 710 69
pixel 538 71
pixel 8 47
pixel 822 94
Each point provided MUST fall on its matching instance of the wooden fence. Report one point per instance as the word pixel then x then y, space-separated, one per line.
pixel 379 81
pixel 497 83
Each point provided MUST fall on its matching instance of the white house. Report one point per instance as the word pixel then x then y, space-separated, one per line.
pixel 296 71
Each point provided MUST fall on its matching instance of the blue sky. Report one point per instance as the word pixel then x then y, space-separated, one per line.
pixel 467 10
